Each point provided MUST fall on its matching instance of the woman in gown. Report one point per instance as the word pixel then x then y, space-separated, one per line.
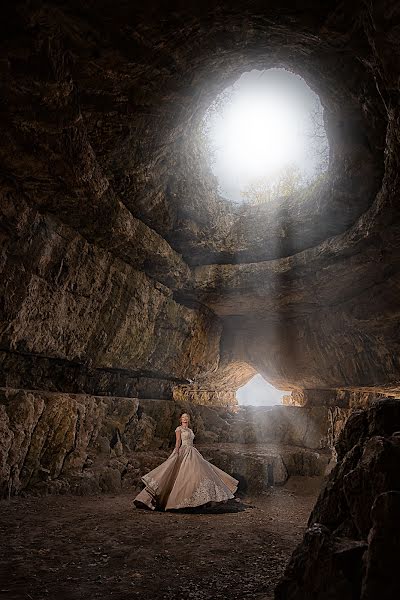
pixel 185 479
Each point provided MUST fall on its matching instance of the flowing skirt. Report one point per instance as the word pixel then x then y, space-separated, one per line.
pixel 185 480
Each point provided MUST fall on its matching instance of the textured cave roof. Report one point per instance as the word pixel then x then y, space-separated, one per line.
pixel 101 107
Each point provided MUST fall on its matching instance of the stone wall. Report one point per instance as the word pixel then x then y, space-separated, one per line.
pixel 57 442
pixel 206 397
pixel 341 398
pixel 72 302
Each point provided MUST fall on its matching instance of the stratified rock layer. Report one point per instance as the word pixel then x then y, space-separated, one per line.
pixel 67 299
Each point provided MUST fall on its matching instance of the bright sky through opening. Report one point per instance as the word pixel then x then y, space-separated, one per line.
pixel 266 121
pixel 258 392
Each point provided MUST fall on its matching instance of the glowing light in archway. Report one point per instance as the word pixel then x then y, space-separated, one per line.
pixel 258 392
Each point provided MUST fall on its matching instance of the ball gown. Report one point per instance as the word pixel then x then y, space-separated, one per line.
pixel 186 479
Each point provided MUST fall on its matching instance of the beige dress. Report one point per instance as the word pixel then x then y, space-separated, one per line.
pixel 185 480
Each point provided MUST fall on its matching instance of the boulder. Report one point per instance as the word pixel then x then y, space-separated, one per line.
pixel 351 546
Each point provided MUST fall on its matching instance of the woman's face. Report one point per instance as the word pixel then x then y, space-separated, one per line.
pixel 185 421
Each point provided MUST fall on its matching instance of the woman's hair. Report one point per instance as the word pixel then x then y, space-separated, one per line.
pixel 184 415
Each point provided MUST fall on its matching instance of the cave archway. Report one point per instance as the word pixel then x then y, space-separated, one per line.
pixel 258 392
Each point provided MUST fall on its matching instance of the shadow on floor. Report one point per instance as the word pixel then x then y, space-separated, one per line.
pixel 231 506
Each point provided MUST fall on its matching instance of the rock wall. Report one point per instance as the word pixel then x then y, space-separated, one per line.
pixel 53 442
pixel 340 398
pixel 218 387
pixel 68 300
pixel 352 545
pixel 205 397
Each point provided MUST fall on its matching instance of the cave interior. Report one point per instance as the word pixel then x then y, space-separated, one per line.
pixel 131 290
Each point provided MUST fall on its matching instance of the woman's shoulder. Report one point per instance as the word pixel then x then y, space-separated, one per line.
pixel 178 428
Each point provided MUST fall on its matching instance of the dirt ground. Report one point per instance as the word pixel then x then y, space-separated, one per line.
pixel 75 548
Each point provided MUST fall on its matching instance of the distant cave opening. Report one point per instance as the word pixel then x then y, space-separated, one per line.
pixel 258 392
pixel 265 137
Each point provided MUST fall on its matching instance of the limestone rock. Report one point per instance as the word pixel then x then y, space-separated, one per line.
pixel 107 200
pixel 56 443
pixel 338 574
pixel 124 275
pixel 291 425
pixel 338 398
pixel 357 509
pixel 376 472
pixel 204 397
pixel 381 559
pixel 74 302
pixel 260 466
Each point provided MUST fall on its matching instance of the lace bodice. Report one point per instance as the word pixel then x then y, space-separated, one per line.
pixel 187 435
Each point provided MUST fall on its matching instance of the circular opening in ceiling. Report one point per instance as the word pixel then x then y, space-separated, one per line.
pixel 265 137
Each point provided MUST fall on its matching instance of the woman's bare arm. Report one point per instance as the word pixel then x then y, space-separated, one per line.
pixel 178 440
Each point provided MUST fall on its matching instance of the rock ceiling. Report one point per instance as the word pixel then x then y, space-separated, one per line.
pixel 118 255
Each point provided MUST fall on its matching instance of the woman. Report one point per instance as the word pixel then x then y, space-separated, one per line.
pixel 185 479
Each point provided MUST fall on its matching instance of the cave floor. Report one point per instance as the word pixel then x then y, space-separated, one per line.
pixel 71 547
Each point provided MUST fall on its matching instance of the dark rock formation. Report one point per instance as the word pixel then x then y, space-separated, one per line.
pixel 339 567
pixel 381 559
pixel 350 547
